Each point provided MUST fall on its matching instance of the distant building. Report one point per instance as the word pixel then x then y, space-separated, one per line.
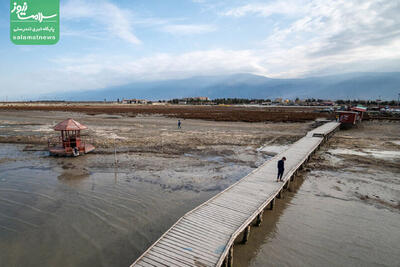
pixel 135 101
pixel 198 98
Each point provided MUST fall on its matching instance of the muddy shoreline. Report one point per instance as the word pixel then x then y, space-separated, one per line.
pixel 100 204
pixel 211 113
pixel 344 210
pixel 144 133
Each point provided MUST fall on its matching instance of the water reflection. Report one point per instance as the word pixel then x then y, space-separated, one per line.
pixel 86 212
pixel 322 225
pixel 269 228
pixel 74 175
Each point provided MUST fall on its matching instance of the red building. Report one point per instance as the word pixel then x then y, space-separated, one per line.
pixel 360 111
pixel 347 118
pixel 351 117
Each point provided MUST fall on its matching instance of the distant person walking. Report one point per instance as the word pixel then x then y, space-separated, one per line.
pixel 281 169
pixel 179 124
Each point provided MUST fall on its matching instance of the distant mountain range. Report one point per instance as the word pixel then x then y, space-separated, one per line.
pixel 385 85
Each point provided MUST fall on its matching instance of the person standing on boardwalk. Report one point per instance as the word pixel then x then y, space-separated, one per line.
pixel 179 124
pixel 281 169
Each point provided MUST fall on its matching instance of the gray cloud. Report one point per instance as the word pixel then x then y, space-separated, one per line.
pixel 323 37
pixel 377 25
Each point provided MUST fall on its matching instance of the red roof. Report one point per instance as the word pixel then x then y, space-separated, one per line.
pixel 69 125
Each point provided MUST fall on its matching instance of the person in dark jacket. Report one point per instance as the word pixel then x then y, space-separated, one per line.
pixel 179 124
pixel 281 169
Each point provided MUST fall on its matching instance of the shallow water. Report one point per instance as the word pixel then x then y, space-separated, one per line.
pixel 343 217
pixel 84 212
pixel 381 154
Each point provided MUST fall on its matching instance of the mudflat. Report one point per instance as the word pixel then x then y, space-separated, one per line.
pixel 106 208
pixel 345 211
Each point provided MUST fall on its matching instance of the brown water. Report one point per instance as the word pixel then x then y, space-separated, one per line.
pixel 342 215
pixel 83 212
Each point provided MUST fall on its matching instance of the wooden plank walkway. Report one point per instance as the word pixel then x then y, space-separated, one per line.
pixel 323 130
pixel 205 235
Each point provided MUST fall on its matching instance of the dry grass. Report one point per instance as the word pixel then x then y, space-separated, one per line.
pixel 215 113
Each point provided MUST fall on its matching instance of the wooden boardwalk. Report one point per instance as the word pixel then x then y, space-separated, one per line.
pixel 205 235
pixel 323 130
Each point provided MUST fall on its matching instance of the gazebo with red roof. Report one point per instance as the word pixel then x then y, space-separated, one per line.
pixel 70 142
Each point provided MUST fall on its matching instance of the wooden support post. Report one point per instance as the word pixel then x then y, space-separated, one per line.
pixel 291 187
pixel 259 218
pixel 272 204
pixel 286 185
pixel 225 263
pixel 279 194
pixel 246 235
pixel 230 257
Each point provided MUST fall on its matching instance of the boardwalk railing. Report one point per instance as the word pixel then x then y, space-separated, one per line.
pixel 205 235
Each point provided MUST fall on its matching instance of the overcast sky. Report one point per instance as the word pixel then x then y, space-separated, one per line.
pixel 107 43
